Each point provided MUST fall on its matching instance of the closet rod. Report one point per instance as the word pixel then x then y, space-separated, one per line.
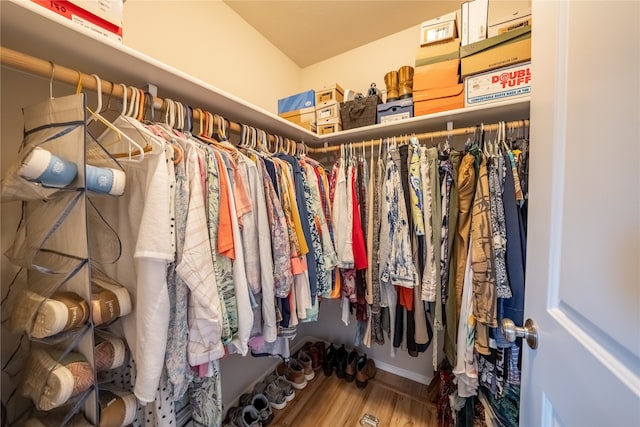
pixel 422 136
pixel 40 67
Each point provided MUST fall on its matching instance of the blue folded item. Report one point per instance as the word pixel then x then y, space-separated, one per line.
pixel 297 102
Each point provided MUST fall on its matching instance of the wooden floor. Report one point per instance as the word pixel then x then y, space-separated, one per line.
pixel 332 402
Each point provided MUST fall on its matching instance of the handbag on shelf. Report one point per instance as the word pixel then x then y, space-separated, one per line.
pixel 359 112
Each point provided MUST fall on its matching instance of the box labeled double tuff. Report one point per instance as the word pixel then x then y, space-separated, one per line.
pixel 498 85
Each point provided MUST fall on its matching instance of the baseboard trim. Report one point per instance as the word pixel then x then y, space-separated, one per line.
pixel 405 373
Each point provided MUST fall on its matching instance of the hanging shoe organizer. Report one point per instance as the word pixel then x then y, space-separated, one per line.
pixel 56 299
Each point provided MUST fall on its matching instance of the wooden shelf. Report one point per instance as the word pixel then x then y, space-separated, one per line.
pixel 34 30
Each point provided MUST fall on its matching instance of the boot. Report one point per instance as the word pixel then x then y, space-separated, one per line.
pixel 405 75
pixel 391 80
pixel 365 370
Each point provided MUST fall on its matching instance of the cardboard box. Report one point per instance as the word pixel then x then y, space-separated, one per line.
pixel 506 49
pixel 440 74
pixel 331 94
pixel 513 21
pixel 439 29
pixel 474 21
pixel 328 110
pixel 331 121
pixel 497 85
pixel 301 117
pixel 438 52
pixel 311 127
pixel 329 126
pixel 437 100
pixel 85 18
pixel 395 110
pixel 296 102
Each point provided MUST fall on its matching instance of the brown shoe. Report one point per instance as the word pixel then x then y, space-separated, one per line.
pixel 320 346
pixel 350 369
pixel 294 373
pixel 365 370
pixel 307 364
pixel 313 352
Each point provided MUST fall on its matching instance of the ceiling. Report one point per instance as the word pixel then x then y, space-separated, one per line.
pixel 311 31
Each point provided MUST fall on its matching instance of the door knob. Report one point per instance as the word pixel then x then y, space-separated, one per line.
pixel 529 332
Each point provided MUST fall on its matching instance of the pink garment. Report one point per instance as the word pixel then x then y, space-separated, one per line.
pixel 359 248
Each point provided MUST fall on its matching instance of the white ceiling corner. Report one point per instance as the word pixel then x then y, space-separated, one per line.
pixel 310 31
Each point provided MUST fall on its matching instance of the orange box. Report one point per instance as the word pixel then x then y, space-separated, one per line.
pixel 440 74
pixel 439 52
pixel 440 99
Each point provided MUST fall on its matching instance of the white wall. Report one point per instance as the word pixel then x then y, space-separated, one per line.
pixel 208 40
pixel 358 68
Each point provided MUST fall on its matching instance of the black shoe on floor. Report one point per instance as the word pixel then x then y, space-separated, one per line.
pixel 329 361
pixel 341 361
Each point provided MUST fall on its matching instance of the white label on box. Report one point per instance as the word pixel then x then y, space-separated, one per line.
pixel 498 85
pixel 96 28
pixel 325 114
pixel 109 10
pixel 442 32
pixel 478 15
pixel 395 117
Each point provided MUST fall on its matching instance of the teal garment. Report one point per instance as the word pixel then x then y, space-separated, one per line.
pixel 222 266
pixel 206 398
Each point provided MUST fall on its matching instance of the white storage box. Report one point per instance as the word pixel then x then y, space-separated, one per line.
pixel 439 29
pixel 498 85
pixel 514 20
pixel 474 21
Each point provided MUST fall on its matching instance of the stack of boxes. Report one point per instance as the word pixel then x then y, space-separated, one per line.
pixel 453 50
pixel 478 55
pixel 299 109
pixel 499 67
pixel 436 80
pixel 328 109
pixel 317 111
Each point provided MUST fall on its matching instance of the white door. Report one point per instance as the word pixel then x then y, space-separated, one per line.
pixel 583 260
